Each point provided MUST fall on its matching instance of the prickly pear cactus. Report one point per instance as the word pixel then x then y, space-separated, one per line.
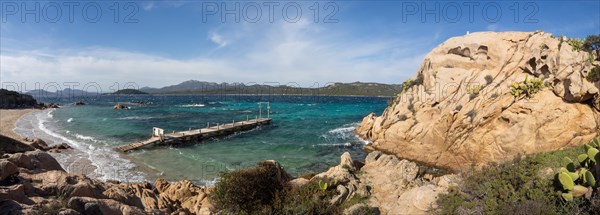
pixel 579 179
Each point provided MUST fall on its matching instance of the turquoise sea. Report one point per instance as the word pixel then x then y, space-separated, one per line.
pixel 308 134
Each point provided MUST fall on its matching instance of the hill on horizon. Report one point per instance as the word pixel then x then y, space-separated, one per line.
pixel 334 89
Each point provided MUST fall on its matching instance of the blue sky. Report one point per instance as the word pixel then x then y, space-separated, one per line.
pixel 167 42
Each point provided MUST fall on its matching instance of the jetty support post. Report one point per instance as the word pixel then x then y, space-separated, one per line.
pixel 260 109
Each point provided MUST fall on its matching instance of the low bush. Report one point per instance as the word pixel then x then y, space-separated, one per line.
pixel 520 186
pixel 594 74
pixel 256 190
pixel 247 190
pixel 576 43
pixel 308 199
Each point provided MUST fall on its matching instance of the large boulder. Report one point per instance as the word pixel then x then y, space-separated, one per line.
pixel 8 206
pixel 189 196
pixel 39 144
pixel 459 109
pixel 7 169
pixel 397 187
pixel 35 161
pixel 60 183
pixel 86 205
pixel 9 145
pixel 15 192
pixel 140 195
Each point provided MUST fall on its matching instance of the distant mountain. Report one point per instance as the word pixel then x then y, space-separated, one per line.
pixel 191 86
pixel 66 93
pixel 360 88
pixel 336 89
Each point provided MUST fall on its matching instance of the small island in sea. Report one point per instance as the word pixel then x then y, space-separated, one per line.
pixel 128 92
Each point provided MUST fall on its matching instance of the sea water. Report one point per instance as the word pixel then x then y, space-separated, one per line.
pixel 307 135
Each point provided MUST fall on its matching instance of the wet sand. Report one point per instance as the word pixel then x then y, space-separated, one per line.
pixel 8 121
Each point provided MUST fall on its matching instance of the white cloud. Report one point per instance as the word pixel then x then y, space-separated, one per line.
pixel 492 27
pixel 283 53
pixel 148 6
pixel 218 39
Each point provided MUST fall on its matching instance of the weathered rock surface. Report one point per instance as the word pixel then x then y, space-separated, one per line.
pixel 7 169
pixel 34 162
pixel 184 193
pixel 34 181
pixel 442 122
pixel 392 185
pixel 397 187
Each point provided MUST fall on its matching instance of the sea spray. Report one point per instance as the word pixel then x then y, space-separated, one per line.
pixel 95 161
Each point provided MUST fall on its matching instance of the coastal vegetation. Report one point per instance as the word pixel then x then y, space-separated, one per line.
pixel 527 87
pixel 263 190
pixel 524 185
pixel 594 74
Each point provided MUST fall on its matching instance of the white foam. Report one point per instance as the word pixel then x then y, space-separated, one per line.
pixel 108 164
pixel 335 144
pixel 83 137
pixel 193 105
pixel 341 130
pixel 210 182
pixel 135 117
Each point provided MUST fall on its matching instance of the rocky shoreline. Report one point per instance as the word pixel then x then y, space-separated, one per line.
pixel 34 182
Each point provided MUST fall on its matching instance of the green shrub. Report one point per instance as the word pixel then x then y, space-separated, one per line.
pixel 308 199
pixel 247 190
pixel 592 43
pixel 576 43
pixel 528 87
pixel 594 75
pixel 406 85
pixel 258 191
pixel 520 186
pixel 497 188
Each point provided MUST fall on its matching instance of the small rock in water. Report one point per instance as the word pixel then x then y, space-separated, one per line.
pixel 120 106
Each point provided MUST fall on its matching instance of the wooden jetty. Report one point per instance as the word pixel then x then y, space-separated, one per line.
pixel 197 135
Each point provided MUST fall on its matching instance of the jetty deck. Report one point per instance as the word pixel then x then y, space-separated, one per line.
pixel 196 135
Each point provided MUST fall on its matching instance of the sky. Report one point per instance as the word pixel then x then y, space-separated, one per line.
pixel 124 44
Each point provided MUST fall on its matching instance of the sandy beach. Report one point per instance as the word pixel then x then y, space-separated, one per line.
pixel 8 121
